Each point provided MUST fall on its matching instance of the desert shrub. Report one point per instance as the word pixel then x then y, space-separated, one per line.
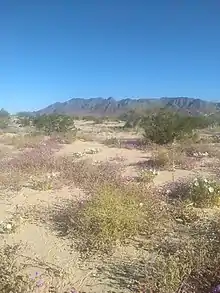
pixel 14 276
pixel 132 118
pixel 98 120
pixel 204 193
pixel 65 137
pixel 12 279
pixel 4 119
pixel 42 183
pixel 198 192
pixel 85 174
pixel 164 127
pixel 215 138
pixel 26 141
pixel 39 159
pixel 161 158
pixel 167 158
pixel 88 118
pixel 4 123
pixel 199 150
pixel 4 113
pixel 181 272
pixel 147 176
pixel 54 123
pixel 113 141
pixel 186 261
pixel 24 121
pixel 177 190
pixel 10 180
pixel 113 215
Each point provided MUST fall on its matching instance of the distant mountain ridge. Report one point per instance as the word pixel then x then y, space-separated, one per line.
pixel 109 106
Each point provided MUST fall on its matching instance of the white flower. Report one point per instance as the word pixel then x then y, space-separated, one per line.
pixel 8 226
pixel 211 189
pixel 196 183
pixel 141 204
pixel 205 180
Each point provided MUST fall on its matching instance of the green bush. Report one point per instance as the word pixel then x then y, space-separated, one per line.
pixel 204 193
pixel 4 122
pixel 164 126
pixel 4 113
pixel 54 123
pixel 24 121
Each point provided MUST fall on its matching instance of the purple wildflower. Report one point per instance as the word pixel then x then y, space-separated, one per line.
pixel 39 283
pixel 216 289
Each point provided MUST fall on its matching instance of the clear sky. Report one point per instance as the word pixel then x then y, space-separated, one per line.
pixel 51 50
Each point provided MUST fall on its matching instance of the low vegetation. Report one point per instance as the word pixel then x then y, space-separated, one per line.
pixel 113 215
pixel 172 230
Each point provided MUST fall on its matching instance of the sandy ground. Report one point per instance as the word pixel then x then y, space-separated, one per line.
pixel 46 245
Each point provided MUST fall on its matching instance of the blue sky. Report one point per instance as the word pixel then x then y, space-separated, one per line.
pixel 51 50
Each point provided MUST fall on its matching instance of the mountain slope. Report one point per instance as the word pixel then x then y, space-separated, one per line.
pixel 110 106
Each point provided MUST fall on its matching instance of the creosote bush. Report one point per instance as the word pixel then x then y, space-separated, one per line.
pixel 54 123
pixel 164 126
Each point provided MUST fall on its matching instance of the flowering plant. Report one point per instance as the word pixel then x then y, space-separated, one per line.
pixel 148 176
pixel 204 193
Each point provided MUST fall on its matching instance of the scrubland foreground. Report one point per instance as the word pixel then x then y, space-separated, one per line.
pixel 99 209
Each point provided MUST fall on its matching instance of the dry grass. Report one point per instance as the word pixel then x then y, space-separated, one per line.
pixel 168 158
pixel 20 141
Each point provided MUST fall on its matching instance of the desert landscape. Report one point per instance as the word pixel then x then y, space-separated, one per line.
pixel 99 209
pixel 109 146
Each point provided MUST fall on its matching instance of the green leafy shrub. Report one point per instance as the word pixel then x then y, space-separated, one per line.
pixel 54 123
pixel 24 121
pixel 204 193
pixel 147 176
pixel 164 126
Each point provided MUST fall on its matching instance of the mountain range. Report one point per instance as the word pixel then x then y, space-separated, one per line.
pixel 112 107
